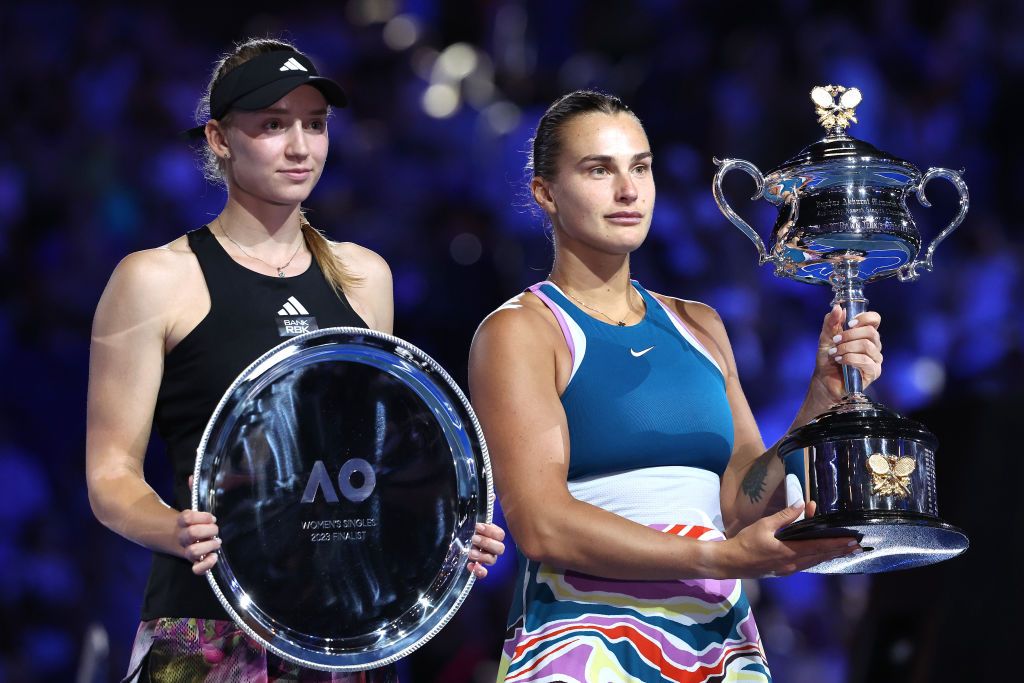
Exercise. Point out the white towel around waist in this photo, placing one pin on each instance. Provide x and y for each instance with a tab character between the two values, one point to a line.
656	495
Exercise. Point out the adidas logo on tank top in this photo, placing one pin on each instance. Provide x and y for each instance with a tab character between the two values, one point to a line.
294	319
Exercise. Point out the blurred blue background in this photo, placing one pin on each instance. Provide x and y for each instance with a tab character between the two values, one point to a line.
426	168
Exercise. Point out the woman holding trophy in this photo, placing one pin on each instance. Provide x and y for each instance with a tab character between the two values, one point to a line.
177	324
627	460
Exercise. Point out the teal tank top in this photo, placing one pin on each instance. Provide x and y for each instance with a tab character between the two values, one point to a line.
644	395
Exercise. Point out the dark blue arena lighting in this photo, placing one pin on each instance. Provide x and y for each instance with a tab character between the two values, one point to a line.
90	170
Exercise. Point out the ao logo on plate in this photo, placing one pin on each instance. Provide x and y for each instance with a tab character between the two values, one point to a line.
320	480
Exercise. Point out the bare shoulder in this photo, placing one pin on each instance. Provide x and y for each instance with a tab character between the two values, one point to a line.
372	297
519	346
692	312
524	316
148	288
152	274
705	323
361	262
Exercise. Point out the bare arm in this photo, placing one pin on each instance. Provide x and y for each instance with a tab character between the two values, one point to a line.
125	367
752	483
513	371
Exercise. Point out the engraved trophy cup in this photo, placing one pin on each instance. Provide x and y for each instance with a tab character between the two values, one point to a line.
843	222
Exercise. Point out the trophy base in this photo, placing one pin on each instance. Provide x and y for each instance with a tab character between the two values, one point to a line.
891	540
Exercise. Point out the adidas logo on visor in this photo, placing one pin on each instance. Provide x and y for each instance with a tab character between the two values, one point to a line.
292	65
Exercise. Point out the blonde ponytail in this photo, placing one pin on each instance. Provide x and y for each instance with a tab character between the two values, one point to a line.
333	269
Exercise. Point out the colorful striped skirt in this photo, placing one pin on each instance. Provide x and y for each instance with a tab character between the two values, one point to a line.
574	628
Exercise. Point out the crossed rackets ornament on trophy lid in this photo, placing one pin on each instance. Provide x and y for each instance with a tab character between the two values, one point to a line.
843	222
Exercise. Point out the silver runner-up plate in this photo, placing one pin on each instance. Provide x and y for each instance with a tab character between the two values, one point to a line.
347	473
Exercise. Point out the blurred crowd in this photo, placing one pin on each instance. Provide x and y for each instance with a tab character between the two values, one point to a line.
427	168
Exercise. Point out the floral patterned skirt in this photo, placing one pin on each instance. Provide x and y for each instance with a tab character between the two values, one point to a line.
174	650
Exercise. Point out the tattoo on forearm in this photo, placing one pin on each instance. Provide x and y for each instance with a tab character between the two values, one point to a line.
753	482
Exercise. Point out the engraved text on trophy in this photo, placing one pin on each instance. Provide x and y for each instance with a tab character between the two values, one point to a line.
861	209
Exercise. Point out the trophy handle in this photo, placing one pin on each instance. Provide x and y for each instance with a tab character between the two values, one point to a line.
909	271
726	165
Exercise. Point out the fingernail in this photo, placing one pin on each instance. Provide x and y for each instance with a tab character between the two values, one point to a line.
838	358
851	544
838	338
797	505
832	351
858	551
474	554
476	540
853	322
214	518
479	526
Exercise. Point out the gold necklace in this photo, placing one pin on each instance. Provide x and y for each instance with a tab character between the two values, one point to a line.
581	302
279	269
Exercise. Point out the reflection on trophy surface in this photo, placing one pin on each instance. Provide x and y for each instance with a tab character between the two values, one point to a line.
843	222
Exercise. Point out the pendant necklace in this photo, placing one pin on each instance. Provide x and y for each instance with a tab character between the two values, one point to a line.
279	269
581	302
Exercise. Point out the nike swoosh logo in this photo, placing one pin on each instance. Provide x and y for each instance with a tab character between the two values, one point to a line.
637	354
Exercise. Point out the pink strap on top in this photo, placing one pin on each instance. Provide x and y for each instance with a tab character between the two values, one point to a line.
559	315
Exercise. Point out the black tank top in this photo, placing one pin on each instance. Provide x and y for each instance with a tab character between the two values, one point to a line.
249	314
